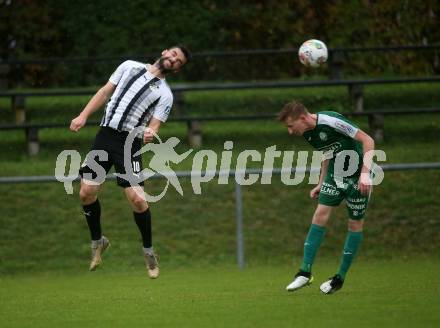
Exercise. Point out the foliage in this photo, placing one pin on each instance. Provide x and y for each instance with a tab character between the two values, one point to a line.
63	28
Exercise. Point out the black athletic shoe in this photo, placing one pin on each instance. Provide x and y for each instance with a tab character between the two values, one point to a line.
332	285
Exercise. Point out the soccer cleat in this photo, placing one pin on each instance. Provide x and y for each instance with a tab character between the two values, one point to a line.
301	280
152	265
332	285
98	249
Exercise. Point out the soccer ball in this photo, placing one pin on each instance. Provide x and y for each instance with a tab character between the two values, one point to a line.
313	53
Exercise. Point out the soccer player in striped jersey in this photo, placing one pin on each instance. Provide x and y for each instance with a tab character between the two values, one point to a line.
136	95
332	133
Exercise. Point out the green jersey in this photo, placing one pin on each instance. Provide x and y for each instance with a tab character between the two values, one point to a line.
334	133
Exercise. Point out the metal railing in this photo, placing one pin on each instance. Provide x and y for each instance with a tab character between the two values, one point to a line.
181	87
204	54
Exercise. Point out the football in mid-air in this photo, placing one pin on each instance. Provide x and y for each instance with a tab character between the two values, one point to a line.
313	53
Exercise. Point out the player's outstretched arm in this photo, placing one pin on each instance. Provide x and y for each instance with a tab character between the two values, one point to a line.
98	100
368	147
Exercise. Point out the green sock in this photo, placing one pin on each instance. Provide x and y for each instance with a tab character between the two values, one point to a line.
311	246
351	246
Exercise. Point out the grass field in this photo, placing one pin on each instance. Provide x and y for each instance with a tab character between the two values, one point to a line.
396	293
201	228
44	241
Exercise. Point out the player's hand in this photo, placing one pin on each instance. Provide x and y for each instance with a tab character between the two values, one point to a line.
314	193
364	184
149	135
77	123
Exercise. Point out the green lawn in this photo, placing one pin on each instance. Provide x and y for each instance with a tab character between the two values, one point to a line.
44	248
396	293
44	240
44	224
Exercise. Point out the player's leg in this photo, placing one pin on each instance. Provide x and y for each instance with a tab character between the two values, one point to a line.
93	173
312	243
141	214
142	217
134	192
356	206
92	211
351	246
315	236
88	195
329	196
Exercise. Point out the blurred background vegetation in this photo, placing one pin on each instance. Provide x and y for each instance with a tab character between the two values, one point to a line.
61	28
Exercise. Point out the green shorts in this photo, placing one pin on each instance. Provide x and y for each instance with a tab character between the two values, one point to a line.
332	194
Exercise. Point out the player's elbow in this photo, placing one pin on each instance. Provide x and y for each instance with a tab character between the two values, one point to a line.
370	141
107	90
104	93
366	140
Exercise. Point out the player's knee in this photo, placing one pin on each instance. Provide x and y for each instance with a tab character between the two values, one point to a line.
87	194
320	220
321	216
355	225
138	203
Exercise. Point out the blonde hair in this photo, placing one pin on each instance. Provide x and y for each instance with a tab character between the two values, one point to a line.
292	109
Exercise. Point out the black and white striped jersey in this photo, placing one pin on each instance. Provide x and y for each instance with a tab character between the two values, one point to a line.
139	96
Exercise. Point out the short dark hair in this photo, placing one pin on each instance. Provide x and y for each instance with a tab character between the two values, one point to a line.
185	51
292	109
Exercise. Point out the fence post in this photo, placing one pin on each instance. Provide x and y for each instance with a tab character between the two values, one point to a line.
336	62
239	218
4	71
32	141
179	104
18	106
376	123
194	127
356	93
194	133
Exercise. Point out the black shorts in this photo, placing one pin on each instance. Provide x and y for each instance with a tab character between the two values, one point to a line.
112	142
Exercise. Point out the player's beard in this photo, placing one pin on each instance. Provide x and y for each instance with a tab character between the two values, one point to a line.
161	66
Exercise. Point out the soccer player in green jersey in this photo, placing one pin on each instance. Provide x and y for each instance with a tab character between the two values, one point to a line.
332	133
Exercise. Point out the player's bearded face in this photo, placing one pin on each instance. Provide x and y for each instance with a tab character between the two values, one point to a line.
171	60
165	65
